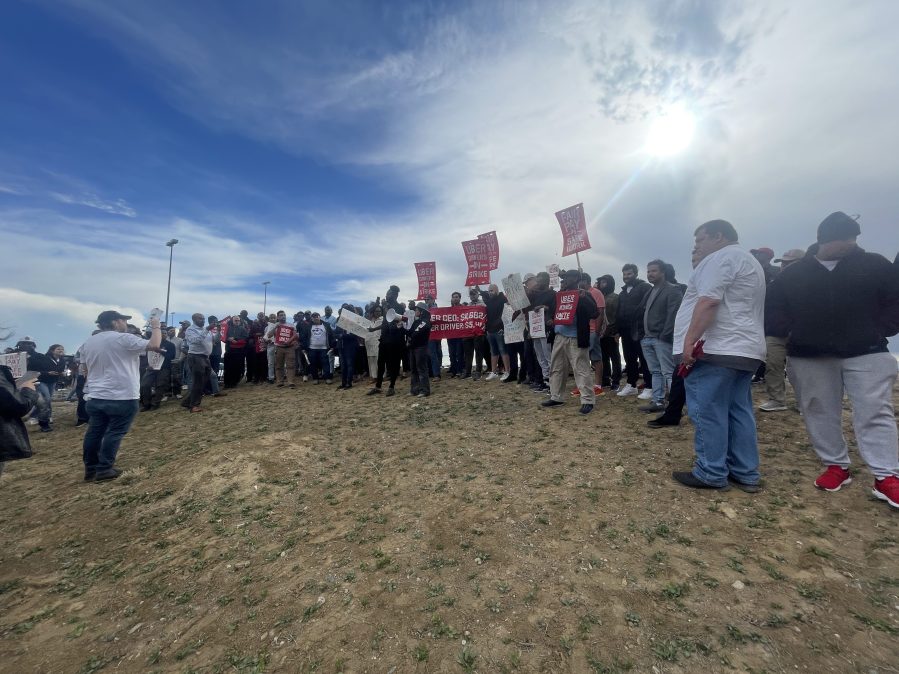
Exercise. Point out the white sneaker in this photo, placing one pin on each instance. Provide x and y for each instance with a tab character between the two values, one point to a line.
184	387
645	395
628	390
504	377
305	377
32	422
491	376
177	396
772	406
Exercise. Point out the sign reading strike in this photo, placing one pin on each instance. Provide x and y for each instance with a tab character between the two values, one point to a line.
16	362
454	322
574	230
492	249
477	255
427	279
566	306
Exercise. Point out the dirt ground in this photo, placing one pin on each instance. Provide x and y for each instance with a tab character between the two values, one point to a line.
323	530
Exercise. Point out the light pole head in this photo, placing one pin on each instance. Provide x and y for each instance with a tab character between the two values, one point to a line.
265	283
171	243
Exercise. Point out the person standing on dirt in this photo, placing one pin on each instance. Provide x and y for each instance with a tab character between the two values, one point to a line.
112	360
199	347
419	337
285	338
631	300
830	356
724	305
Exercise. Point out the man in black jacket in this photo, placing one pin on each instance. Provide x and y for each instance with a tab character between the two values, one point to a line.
657	329
631	300
571	345
838	307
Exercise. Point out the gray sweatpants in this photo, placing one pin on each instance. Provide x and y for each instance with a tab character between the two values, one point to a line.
868	381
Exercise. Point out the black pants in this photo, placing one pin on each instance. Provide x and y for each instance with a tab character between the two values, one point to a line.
634	363
611	361
475	347
81	411
249	358
532	373
154	386
200	371
234	367
421	366
516	361
677	398
389	358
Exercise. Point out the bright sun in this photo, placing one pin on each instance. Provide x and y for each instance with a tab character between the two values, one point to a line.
670	132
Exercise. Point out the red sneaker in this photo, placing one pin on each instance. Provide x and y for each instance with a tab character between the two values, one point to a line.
576	392
833	478
887	490
597	390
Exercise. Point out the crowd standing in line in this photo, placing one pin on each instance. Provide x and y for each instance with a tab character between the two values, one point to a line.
821	320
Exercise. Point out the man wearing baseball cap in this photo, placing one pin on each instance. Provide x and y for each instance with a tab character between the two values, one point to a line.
765	256
112	360
838	306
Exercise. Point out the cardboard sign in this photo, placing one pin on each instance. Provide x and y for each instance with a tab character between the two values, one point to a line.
155	360
566	306
514	290
427	279
477	255
17	362
354	324
456	322
513	330
574	230
536	323
492	248
284	334
555	282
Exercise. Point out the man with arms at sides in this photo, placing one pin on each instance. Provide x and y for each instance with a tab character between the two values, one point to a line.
199	348
112	360
724	305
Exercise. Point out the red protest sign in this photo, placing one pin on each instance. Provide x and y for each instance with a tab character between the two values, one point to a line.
574	230
566	306
223	329
492	248
477	255
427	279
284	334
453	322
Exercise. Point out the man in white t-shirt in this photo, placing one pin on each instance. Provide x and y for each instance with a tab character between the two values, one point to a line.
724	305
112	360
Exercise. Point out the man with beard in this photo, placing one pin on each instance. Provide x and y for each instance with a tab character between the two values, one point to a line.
474	348
321	344
611	356
285	339
630	315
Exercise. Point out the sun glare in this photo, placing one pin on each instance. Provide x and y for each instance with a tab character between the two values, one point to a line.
670	132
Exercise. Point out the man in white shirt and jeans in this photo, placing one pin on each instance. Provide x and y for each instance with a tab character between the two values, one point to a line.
724	305
112	360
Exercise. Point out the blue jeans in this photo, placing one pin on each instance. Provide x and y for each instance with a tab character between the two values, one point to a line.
42	409
435	353
456	355
497	343
319	366
109	421
660	361
720	404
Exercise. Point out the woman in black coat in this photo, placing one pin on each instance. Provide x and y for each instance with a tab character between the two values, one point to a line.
14	404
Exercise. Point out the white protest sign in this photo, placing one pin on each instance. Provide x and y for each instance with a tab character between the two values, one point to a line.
536	324
354	324
155	360
513	331
17	362
514	290
408	318
554	281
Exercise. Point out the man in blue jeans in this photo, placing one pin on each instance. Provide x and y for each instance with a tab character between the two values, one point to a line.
724	305
657	329
112	360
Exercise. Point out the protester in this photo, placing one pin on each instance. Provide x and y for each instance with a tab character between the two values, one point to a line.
372	344
724	306
52	367
608	343
258	368
494	301
630	315
348	344
331	320
659	313
418	338
177	362
156	380
235	351
268	338
113	383
15	403
830	356
37	362
215	358
474	349
435	347
542	296
320	346
199	346
455	345
285	338
597	328
570	347
391	345
764	257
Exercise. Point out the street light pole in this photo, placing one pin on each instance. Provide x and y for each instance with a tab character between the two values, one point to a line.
171	244
172	319
265	295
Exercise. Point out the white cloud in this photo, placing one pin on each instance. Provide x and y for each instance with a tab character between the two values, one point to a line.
114	207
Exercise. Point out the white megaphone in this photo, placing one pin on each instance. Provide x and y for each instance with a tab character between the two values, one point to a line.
392	315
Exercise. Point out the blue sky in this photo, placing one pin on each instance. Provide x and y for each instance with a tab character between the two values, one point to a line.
326	146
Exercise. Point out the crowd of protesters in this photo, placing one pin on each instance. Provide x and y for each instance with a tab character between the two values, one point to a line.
820	320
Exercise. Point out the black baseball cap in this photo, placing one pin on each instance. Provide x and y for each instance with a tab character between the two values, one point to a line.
838	227
107	317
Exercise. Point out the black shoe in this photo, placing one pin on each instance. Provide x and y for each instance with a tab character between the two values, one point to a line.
80	422
661	422
465	376
586	409
745	486
154	407
90	475
281	385
104	475
46	428
145	408
373	391
551	403
391	391
688	479
219	395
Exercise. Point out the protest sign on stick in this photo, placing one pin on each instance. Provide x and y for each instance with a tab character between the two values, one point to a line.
17	362
456	322
555	282
513	329
353	323
566	306
574	229
492	249
427	280
514	290
477	255
536	324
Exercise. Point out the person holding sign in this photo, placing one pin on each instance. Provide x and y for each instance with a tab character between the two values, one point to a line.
285	338
15	403
494	300
575	309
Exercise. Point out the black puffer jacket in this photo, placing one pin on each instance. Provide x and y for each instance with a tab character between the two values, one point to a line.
630	309
14	405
